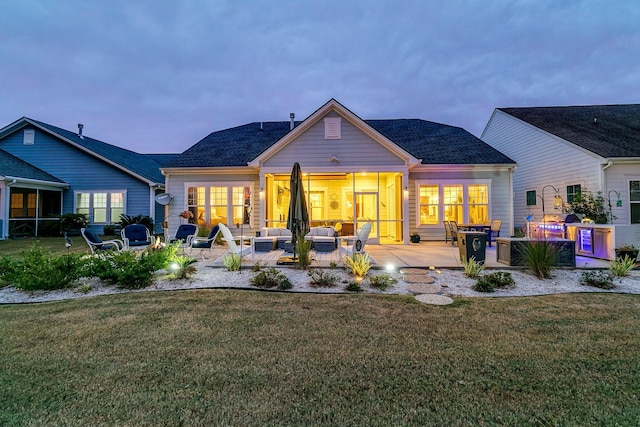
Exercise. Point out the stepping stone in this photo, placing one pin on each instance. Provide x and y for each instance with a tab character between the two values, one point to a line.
418	278
434	299
423	288
413	271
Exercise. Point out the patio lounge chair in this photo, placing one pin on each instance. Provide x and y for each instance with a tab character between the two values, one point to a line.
185	233
96	244
495	227
359	242
234	248
453	230
136	236
447	231
205	242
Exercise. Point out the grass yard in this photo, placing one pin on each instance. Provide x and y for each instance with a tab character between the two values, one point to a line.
257	358
13	248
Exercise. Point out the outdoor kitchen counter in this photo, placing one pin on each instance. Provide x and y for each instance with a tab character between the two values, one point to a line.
593	240
508	250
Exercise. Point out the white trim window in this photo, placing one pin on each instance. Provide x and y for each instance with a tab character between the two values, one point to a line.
429	204
634	201
227	203
102	207
463	201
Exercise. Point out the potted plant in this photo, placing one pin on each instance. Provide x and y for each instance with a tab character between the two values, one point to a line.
627	250
415	237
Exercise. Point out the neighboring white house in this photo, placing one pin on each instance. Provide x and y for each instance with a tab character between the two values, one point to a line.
401	175
572	149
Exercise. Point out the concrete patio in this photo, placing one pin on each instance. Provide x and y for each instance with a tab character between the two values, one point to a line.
424	254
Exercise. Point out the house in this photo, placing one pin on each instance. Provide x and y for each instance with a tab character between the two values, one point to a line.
46	171
401	175
562	151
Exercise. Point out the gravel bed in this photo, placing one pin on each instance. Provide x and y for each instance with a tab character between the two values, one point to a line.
452	281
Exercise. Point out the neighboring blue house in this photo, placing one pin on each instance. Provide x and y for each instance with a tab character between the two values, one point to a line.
46	171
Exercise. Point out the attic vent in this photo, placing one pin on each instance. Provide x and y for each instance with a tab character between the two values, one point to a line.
29	136
332	128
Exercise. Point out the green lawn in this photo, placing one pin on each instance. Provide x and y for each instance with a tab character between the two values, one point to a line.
254	358
13	248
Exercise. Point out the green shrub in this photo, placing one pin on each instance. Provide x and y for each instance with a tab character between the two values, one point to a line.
303	248
382	281
37	270
483	285
322	279
591	206
358	263
540	256
472	268
129	269
489	282
73	221
232	262
84	289
270	278
598	279
621	266
353	287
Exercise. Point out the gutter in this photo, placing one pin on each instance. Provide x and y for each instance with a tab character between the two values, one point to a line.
14	180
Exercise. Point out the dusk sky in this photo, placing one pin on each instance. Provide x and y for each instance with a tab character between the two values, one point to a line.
157	76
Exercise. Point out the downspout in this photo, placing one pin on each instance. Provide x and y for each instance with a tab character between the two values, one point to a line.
603	183
511	201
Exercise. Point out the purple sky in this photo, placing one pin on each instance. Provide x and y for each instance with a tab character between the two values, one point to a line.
157	76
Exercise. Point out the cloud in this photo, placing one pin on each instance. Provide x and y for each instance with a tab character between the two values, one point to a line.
158	76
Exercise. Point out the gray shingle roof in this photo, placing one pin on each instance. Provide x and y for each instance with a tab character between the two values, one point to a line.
11	165
140	164
434	143
614	133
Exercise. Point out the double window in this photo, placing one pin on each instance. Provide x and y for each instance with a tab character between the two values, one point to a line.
214	204
102	207
463	202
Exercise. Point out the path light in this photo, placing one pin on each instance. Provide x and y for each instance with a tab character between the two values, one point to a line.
390	267
174	266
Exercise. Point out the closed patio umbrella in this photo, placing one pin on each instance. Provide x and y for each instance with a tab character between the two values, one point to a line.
298	219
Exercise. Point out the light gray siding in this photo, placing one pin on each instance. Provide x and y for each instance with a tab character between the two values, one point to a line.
499	207
354	148
543	159
617	178
177	186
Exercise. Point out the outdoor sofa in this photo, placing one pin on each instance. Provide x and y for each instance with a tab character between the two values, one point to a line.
271	238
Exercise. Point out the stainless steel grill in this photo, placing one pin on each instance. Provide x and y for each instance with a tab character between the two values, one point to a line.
554	226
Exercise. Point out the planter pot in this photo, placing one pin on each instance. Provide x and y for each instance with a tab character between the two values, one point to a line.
415	239
631	253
